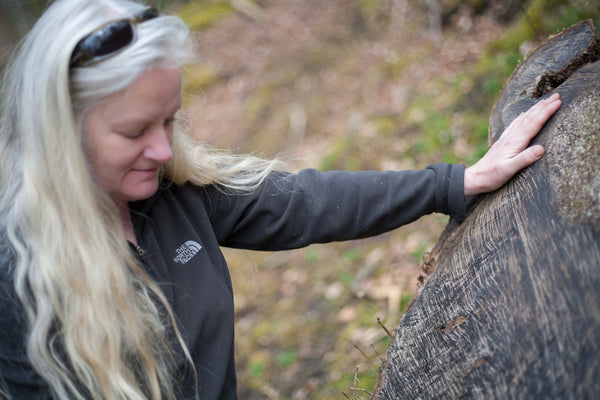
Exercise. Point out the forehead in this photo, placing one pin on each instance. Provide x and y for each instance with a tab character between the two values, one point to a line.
155	93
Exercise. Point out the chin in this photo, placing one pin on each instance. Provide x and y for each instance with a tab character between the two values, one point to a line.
143	192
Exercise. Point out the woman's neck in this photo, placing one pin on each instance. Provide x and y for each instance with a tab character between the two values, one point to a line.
127	222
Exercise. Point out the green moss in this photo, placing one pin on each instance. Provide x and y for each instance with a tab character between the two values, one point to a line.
405	301
330	160
370	8
259	102
418	254
287	358
258	363
311	256
434	126
563	14
352	255
198	77
540	19
257	368
200	15
346	278
385	125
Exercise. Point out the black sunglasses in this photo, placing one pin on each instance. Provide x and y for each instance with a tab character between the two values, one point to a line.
108	39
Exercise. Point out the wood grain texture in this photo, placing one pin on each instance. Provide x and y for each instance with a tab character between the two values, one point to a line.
510	308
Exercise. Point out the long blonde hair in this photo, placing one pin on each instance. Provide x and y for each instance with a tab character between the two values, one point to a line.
96	320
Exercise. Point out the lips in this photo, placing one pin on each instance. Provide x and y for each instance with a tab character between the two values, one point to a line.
146	172
152	170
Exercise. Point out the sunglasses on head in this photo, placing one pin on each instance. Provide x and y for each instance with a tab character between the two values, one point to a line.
108	39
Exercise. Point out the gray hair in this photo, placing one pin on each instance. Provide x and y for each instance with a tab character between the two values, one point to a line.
49	200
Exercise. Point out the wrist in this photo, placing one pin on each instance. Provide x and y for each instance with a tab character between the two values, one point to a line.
472	182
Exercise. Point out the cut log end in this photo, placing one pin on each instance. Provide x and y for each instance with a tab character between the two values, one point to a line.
551	80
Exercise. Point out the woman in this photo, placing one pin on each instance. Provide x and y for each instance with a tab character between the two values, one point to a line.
112	282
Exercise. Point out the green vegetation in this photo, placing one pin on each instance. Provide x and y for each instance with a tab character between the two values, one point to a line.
202	14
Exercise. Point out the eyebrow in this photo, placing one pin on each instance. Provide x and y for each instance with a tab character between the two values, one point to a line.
145	120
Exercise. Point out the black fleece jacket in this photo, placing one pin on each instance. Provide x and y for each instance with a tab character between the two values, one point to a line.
180	231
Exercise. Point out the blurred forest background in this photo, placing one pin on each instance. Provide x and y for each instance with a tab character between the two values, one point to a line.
341	84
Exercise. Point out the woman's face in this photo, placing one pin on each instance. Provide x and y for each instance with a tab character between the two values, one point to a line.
128	137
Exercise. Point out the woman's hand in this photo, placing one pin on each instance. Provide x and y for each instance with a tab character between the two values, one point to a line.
509	154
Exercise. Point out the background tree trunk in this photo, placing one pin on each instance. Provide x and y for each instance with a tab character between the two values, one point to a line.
509	305
16	18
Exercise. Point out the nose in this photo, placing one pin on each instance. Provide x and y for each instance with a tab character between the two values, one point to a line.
158	147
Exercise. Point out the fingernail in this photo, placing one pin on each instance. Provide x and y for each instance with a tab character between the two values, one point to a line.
538	151
554	96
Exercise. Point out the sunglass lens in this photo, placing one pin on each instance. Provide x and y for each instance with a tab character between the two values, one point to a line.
147	14
109	39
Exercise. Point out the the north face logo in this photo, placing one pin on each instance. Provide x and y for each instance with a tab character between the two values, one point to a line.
186	251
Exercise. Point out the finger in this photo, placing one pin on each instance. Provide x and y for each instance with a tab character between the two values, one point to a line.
524	127
535	118
513	124
527	157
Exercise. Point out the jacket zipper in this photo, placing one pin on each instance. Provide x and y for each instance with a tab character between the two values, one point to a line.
141	252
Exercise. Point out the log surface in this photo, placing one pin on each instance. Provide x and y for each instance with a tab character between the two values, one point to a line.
510	307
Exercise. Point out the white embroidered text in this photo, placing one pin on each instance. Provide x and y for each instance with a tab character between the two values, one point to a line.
186	251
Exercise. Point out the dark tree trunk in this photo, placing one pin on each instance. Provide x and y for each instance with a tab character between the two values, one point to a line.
16	18
509	306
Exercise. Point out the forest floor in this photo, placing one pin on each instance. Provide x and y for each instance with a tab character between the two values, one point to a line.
334	85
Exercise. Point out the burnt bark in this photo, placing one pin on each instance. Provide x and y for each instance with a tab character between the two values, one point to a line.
509	306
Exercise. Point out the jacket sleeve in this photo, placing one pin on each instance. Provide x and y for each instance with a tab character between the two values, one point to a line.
295	210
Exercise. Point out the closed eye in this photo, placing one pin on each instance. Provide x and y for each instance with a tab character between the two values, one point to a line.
132	134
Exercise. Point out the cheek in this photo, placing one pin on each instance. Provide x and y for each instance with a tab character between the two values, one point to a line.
91	147
91	155
97	158
111	163
108	161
